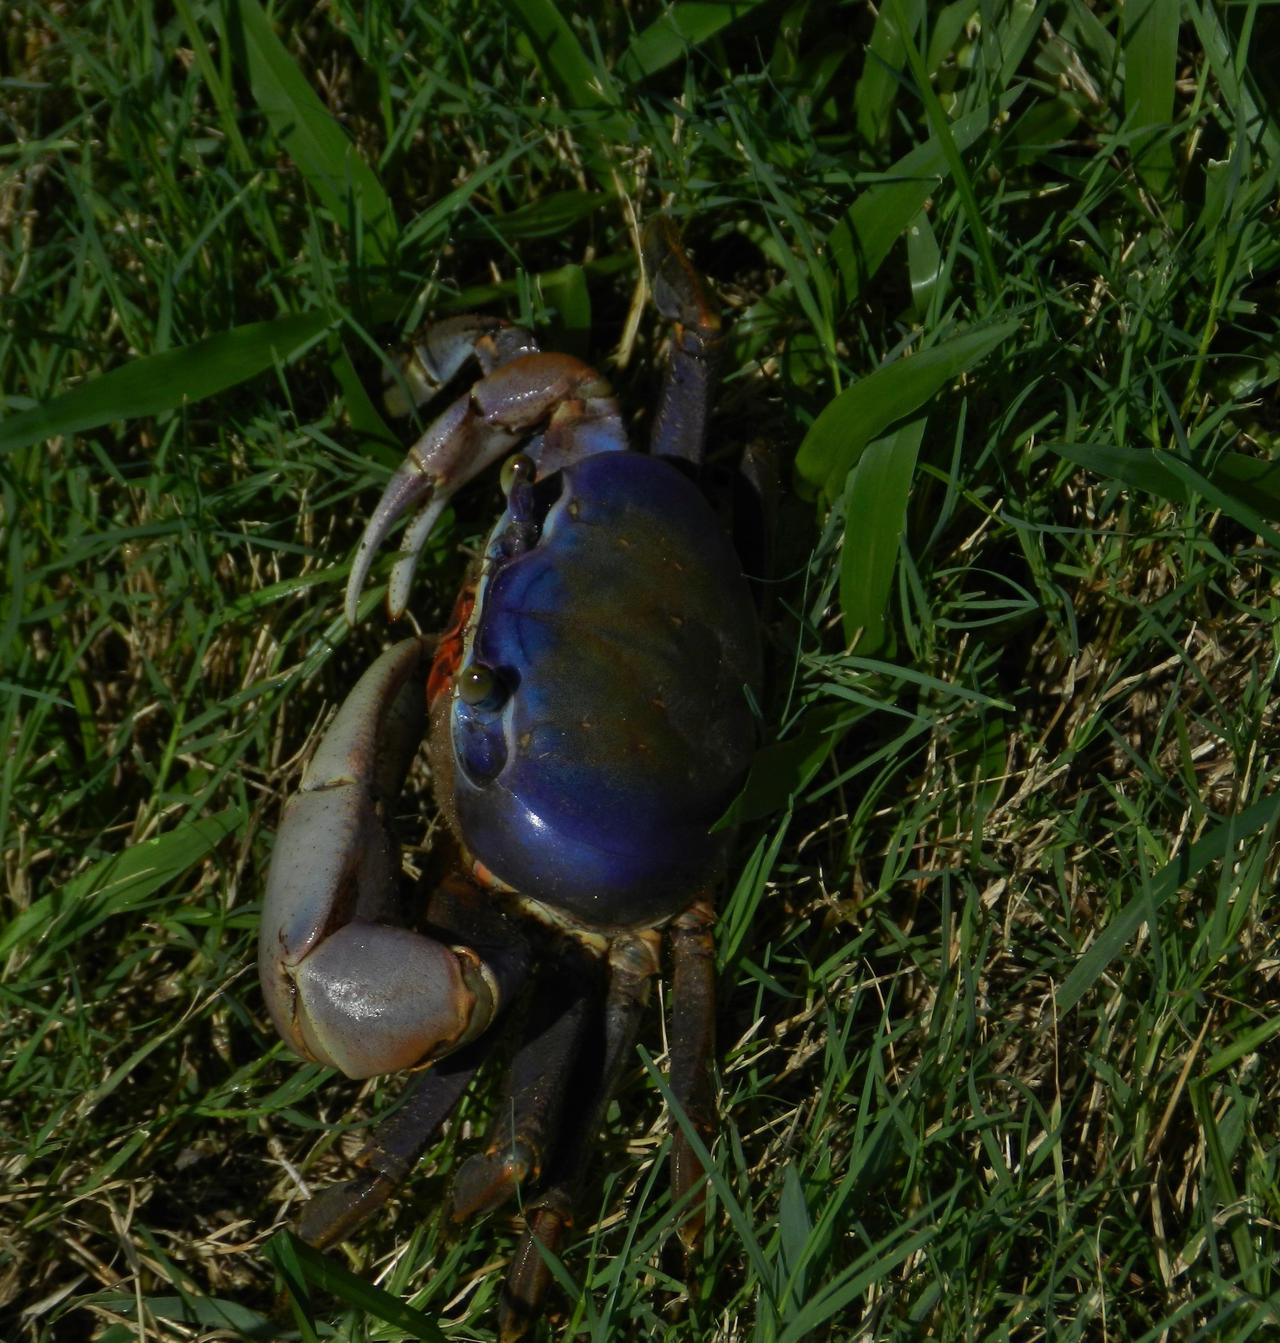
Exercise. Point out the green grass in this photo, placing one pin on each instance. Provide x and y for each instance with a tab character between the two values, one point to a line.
999	986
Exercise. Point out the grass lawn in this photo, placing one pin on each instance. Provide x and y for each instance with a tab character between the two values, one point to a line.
999	989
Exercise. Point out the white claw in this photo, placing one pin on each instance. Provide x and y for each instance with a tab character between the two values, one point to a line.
411	544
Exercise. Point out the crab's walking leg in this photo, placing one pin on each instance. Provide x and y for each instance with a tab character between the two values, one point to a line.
633	964
693	1028
392	1151
527	1122
680	424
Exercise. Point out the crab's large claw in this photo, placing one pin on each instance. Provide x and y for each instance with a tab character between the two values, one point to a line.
343	984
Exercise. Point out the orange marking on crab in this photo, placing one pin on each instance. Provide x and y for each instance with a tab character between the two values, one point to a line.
448	656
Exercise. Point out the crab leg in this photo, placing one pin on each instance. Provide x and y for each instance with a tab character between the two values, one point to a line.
633	964
344	985
336	1212
527	1120
693	1025
680	424
572	401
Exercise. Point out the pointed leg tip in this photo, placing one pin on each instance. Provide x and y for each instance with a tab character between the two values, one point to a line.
513	1324
487	1181
335	1213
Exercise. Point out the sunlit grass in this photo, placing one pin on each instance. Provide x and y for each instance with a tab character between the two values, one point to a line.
998	1004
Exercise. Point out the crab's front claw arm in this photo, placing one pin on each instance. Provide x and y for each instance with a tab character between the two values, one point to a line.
439	351
343	984
568	401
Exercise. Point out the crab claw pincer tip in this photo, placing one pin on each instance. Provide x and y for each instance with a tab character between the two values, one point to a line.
411	486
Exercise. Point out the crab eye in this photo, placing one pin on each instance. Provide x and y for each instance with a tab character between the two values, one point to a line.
518	468
479	685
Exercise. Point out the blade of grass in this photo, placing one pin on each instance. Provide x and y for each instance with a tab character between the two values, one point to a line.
300	1265
875	93
1251	823
1245	488
1150	58
675	33
955	164
785	768
840	434
211	1312
119	883
859	244
164	382
321	149
579	81
875	504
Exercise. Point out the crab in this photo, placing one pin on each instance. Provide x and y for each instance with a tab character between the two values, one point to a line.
590	713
